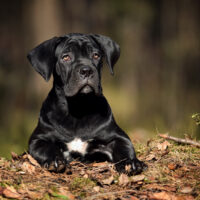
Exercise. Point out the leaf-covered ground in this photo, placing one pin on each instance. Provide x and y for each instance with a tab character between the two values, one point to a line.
173	174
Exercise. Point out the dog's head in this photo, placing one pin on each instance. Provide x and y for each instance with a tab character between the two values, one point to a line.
75	60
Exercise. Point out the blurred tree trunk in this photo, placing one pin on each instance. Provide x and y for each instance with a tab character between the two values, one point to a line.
44	21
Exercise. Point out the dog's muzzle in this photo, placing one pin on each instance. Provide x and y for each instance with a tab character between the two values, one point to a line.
86	73
85	79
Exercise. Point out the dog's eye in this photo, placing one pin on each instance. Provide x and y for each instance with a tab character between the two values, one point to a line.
96	56
66	58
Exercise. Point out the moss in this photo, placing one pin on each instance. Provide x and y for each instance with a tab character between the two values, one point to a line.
80	183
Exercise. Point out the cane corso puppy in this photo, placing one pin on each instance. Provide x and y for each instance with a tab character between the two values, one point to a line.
76	121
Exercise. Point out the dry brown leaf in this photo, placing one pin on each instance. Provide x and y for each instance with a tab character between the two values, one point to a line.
163	146
108	181
85	176
161	196
11	194
128	168
65	192
100	164
137	178
35	195
25	156
152	178
186	190
6	164
160	187
82	172
96	188
22	191
133	198
1	190
172	166
123	179
33	161
181	197
27	167
168	196
14	156
184	168
151	156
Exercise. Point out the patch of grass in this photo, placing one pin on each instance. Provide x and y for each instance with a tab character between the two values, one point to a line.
140	148
59	196
81	183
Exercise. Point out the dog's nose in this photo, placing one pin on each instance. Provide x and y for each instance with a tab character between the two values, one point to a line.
86	71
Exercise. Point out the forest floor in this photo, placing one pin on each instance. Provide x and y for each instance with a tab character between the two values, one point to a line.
173	174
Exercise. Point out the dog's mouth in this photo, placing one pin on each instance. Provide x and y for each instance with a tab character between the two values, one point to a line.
86	89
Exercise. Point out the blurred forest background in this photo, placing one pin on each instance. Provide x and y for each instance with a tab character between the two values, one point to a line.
156	87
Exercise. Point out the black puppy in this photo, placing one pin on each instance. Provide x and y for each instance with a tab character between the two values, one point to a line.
76	122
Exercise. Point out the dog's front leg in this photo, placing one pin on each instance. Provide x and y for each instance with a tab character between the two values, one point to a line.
48	153
124	156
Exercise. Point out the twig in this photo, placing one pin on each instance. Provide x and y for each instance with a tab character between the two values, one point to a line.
180	140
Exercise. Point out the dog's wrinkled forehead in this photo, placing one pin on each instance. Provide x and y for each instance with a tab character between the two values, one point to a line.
77	43
44	56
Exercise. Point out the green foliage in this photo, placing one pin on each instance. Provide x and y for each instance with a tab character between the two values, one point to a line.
196	118
79	183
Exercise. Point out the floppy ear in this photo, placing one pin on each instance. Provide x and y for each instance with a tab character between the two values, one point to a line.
110	48
42	57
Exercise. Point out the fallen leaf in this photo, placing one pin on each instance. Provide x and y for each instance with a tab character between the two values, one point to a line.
33	161
25	156
128	168
123	180
181	197
108	181
137	178
14	156
133	198
96	188
184	168
151	156
27	167
34	195
85	176
172	166
22	190
1	190
82	172
65	192
10	194
161	196
160	187
163	146
100	164
152	178
186	190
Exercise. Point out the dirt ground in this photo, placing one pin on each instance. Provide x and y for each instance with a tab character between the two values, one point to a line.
173	174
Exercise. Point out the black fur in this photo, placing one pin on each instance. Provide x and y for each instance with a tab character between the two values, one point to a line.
76	121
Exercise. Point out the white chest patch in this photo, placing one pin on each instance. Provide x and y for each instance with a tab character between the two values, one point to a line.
77	145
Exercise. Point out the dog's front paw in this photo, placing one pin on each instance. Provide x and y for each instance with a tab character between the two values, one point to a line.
58	164
131	167
138	166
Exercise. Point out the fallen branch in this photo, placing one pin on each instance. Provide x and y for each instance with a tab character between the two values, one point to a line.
180	140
